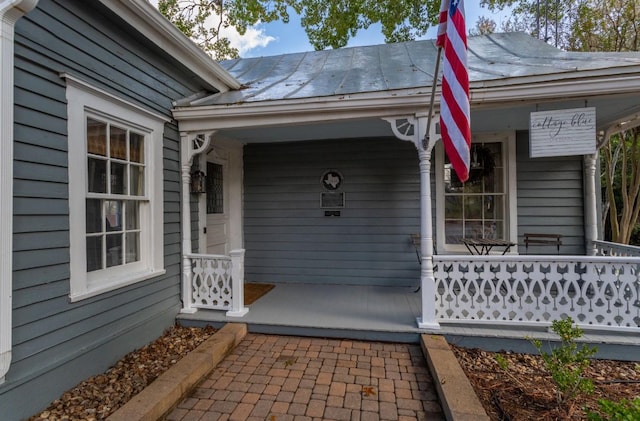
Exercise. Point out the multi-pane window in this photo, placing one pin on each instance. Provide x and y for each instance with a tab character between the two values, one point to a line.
215	192
116	213
115	184
476	208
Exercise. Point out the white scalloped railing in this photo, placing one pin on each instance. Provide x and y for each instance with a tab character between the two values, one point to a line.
606	248
596	291
217	282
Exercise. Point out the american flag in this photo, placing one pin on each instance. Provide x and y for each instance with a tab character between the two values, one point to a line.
454	103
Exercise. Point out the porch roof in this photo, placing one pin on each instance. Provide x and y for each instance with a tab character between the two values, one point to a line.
494	60
350	92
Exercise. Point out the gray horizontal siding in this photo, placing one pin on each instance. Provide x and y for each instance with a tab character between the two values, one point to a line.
287	236
56	343
550	199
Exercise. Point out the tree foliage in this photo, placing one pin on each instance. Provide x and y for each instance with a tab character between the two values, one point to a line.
483	26
621	179
594	25
327	23
575	25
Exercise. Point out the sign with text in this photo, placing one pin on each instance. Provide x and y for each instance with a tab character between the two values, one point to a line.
562	132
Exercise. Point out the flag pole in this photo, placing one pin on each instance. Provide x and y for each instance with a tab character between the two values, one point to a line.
426	140
427	279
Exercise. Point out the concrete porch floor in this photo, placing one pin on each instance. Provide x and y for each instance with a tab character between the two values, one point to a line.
345	311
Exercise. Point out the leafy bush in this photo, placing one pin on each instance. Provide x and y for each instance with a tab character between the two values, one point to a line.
625	410
567	362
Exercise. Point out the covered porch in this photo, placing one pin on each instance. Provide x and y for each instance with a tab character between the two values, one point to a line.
347	267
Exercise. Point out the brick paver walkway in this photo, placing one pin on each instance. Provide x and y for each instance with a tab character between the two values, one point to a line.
281	378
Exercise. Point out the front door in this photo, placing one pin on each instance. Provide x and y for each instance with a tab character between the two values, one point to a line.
217	204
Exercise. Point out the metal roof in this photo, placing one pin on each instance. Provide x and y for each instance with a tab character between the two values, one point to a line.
401	66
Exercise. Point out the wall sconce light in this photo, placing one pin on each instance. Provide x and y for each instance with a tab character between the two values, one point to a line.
198	182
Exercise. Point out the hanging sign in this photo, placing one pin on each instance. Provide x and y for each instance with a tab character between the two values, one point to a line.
562	132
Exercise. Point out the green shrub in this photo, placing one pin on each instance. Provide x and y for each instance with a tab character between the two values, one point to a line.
567	362
625	410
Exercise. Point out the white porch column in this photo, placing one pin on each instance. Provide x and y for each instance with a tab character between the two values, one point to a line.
237	278
591	204
10	12
190	146
427	279
413	129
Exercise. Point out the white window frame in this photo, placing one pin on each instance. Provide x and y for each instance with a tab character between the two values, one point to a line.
84	100
508	140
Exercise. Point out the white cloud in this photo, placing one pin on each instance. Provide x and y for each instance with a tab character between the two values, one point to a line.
254	37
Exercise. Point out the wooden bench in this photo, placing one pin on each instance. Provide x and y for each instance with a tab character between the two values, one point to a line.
540	238
415	240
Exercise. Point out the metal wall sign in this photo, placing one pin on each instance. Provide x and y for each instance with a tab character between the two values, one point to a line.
332	199
331	181
562	132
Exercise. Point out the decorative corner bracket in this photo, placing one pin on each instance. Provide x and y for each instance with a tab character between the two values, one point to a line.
194	144
413	128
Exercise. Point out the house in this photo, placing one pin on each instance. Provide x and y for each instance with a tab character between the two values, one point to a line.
316	177
90	269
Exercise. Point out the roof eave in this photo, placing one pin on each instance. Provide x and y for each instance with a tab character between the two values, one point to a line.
147	20
557	85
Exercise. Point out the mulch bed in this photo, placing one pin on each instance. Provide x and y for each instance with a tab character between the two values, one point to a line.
527	392
99	396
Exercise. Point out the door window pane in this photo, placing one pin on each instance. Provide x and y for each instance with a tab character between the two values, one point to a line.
215	192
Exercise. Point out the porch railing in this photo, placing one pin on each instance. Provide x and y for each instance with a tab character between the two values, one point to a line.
606	248
217	282
595	291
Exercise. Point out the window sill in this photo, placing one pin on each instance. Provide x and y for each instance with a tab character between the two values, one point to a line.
122	282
